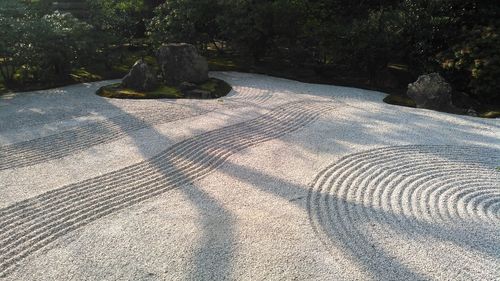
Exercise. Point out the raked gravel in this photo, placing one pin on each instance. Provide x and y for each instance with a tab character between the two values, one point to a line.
280	180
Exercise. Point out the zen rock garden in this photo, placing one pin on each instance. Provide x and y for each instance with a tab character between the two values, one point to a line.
284	140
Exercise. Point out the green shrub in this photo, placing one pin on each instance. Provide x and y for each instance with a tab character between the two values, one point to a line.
188	21
217	88
475	63
353	38
13	21
60	42
45	48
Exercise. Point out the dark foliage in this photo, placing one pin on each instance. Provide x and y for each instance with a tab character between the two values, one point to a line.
355	38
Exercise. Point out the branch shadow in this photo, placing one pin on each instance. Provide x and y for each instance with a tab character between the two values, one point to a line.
360	248
215	250
52	206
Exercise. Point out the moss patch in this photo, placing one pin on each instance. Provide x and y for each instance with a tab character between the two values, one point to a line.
400	100
405	101
224	64
83	75
116	91
216	87
490	114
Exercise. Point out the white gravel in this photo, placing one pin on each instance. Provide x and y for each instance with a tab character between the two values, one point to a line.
280	180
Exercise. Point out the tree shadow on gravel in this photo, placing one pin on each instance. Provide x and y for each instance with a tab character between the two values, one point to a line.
34	223
213	253
85	202
358	246
30	225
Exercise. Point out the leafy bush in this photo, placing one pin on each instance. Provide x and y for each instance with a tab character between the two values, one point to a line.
475	63
352	37
459	39
254	29
117	21
40	48
12	23
60	42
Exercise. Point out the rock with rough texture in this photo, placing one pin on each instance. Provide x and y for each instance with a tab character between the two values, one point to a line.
431	91
186	86
198	94
141	77
181	63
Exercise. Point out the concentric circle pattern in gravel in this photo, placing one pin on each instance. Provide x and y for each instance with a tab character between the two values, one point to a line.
421	193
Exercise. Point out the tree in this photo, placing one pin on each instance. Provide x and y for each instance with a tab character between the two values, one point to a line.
62	42
457	38
40	48
13	16
195	22
258	27
117	18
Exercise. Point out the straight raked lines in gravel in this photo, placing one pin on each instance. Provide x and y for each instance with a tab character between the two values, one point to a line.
71	141
31	224
442	192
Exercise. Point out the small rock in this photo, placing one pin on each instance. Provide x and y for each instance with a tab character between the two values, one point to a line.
140	78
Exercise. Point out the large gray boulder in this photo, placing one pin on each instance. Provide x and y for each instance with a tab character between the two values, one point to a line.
181	63
431	91
141	77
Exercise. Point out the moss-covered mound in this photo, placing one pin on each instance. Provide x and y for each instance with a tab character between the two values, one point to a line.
400	100
490	114
215	88
406	101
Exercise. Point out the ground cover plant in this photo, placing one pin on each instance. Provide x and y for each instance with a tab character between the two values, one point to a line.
216	87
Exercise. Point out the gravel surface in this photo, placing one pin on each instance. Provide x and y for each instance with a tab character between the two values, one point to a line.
280	180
